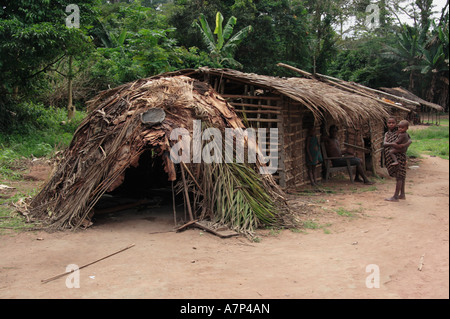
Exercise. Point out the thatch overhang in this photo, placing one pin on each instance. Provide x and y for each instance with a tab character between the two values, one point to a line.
386	99
404	93
320	98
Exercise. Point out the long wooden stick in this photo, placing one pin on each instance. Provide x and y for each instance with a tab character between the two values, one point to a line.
84	266
358	147
174	206
188	201
290	67
182	227
192	176
395	97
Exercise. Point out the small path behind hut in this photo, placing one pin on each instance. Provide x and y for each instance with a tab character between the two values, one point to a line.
352	232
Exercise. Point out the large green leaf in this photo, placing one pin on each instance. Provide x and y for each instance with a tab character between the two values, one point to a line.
219	31
207	35
122	38
234	42
229	27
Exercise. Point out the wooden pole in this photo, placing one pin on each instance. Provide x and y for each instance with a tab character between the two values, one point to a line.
84	266
304	73
174	207
192	176
188	202
358	147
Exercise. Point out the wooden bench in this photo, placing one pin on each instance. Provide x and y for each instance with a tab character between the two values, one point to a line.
328	165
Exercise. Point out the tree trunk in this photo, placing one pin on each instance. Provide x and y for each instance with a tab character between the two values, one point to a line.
431	90
411	82
314	65
443	95
70	106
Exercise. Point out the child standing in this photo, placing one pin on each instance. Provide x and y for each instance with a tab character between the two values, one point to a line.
402	138
313	154
398	171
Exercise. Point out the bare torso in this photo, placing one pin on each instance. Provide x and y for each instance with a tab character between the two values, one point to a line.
333	147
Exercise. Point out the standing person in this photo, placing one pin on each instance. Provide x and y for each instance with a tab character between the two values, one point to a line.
313	154
402	138
334	150
398	171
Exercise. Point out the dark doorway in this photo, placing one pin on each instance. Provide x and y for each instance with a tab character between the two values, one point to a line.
145	190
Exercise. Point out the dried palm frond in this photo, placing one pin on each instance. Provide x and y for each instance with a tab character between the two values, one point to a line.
236	194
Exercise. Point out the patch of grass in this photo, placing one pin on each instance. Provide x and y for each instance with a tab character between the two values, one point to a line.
297	230
274	232
433	141
344	212
445	122
256	239
341	211
310	224
364	189
442	121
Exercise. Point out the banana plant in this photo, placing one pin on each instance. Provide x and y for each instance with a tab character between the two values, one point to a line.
222	46
435	61
408	49
435	52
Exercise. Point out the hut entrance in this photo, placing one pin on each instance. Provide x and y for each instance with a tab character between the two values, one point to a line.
147	180
145	190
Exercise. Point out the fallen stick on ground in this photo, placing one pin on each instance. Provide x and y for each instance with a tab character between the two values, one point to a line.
182	227
44	281
198	224
226	234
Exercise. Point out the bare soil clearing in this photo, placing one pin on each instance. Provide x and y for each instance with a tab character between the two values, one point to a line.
327	262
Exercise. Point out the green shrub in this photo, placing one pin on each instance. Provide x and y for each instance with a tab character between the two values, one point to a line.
34	130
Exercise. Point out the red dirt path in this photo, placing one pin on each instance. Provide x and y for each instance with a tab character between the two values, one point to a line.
328	262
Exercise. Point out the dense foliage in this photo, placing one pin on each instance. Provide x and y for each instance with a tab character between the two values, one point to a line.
44	61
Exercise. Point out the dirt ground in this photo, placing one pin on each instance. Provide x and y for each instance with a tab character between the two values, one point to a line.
357	236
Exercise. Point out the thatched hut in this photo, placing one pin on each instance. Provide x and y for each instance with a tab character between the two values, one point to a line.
293	104
130	128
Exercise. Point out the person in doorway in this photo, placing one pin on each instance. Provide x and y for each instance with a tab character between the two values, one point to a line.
398	171
334	150
313	155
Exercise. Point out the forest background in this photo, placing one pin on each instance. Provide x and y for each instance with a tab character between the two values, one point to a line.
57	54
